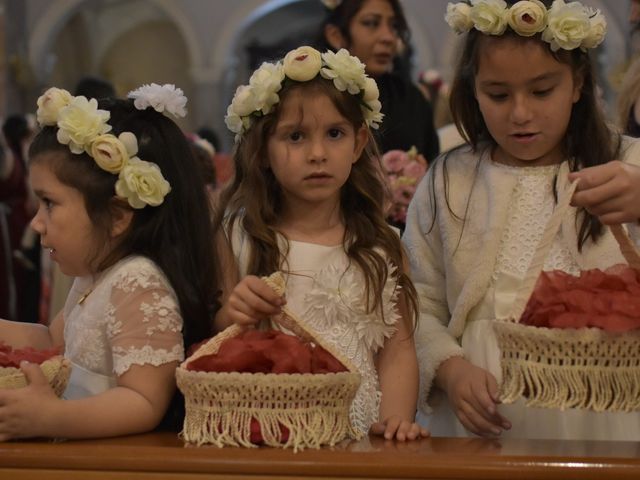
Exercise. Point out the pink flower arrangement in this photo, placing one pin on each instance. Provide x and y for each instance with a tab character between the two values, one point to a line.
404	170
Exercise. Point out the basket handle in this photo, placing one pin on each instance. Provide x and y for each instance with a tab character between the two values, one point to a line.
299	327
627	248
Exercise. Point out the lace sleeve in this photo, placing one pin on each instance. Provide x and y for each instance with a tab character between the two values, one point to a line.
144	325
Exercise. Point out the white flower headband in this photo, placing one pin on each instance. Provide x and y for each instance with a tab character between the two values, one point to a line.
564	25
301	65
84	128
331	4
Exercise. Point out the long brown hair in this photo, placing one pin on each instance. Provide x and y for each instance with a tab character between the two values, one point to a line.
588	140
254	199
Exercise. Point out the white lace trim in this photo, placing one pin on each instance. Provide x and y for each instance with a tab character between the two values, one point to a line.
123	358
532	205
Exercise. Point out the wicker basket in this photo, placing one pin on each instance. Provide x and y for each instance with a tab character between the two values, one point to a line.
568	368
57	370
314	408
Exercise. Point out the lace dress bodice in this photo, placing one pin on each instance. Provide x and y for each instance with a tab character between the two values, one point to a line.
329	295
127	315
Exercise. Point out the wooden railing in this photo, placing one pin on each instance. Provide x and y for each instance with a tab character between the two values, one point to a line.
164	456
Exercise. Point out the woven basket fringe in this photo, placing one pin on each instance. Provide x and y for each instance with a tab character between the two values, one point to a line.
586	368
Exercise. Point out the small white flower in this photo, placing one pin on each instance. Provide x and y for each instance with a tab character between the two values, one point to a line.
302	64
80	122
489	16
568	25
346	71
331	4
597	30
371	91
161	98
265	83
372	114
142	183
49	105
458	17
527	17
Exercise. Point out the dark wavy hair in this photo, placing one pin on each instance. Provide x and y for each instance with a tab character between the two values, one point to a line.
588	140
176	235
255	199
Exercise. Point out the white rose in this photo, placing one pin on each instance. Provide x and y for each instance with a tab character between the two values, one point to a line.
265	84
527	17
489	16
568	25
458	17
244	101
346	71
50	103
111	153
371	91
80	122
597	30
142	183
302	64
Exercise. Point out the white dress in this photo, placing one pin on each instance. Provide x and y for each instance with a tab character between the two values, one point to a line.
532	206
129	316
327	293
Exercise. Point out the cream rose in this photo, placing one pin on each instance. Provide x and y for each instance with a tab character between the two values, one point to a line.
597	30
302	64
568	25
489	16
371	91
50	103
458	17
265	84
346	71
527	17
111	153
80	122
142	183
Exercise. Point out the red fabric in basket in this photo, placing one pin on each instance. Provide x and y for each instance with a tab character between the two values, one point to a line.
11	357
272	351
609	300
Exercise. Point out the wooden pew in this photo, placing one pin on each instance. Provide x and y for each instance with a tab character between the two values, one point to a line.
164	456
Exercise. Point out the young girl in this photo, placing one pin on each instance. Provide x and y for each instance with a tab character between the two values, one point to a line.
307	199
524	93
123	209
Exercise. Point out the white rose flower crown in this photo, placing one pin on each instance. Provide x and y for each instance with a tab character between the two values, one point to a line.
564	26
84	128
301	65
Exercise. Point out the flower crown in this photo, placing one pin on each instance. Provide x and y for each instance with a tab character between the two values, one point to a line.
564	25
84	128
331	4
301	65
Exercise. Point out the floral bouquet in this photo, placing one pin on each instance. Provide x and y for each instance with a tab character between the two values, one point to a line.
404	170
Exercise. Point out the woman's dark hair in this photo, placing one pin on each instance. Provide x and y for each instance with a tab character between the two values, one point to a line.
588	140
176	235
343	15
16	129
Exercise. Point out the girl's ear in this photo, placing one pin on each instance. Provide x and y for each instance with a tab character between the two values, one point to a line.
334	37
122	216
362	138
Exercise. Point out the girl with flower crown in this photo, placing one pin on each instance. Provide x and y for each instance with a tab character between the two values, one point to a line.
307	199
524	93
123	209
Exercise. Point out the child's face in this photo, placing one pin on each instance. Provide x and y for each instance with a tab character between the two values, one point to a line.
374	38
312	150
62	221
526	97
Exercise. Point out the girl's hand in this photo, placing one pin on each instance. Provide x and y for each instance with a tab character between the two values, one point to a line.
26	412
610	191
402	430
251	301
473	393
